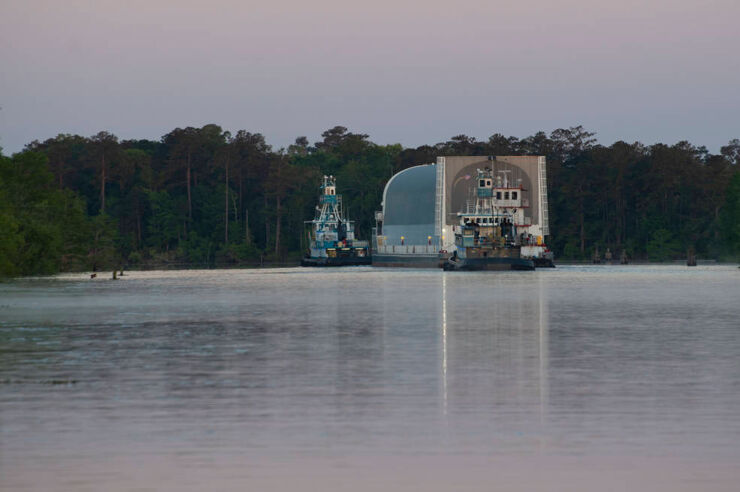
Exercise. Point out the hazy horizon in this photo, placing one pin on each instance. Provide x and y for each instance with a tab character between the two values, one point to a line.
662	72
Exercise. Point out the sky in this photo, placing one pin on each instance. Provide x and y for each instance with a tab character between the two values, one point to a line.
409	72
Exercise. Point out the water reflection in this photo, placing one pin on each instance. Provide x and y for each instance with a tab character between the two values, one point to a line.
543	340
501	335
229	368
444	343
494	359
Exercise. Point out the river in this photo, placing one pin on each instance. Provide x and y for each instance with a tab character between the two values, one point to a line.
578	378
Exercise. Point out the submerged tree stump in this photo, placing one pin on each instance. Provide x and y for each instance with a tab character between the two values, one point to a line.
623	258
690	258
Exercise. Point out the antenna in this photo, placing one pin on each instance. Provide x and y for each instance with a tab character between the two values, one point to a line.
506	177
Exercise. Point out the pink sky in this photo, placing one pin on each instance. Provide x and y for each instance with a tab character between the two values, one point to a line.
408	72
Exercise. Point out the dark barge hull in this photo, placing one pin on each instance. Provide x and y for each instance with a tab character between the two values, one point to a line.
336	262
543	263
407	261
437	261
489	264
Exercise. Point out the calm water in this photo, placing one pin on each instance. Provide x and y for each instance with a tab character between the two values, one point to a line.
579	378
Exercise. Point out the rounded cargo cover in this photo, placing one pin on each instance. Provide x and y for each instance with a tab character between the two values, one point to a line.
408	205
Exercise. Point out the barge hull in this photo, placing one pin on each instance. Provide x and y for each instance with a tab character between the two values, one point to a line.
543	262
335	262
489	264
406	261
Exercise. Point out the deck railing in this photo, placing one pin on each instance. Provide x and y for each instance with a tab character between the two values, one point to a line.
406	249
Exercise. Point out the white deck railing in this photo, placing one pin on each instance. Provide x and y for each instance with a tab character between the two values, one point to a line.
406	249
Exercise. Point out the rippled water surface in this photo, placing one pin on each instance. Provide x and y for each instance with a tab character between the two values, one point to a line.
578	378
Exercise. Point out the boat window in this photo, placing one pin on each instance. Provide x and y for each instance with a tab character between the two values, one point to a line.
513	195
506	195
482	183
498	195
488	182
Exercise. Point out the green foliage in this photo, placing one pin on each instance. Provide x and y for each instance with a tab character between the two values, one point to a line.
11	241
571	250
730	217
663	246
102	251
164	221
198	250
204	196
42	227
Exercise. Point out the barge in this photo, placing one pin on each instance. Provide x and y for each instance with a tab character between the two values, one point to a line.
424	209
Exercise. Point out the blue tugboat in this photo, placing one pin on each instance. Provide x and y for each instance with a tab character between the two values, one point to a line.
331	235
490	233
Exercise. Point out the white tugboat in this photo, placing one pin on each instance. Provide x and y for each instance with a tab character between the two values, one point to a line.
492	232
332	235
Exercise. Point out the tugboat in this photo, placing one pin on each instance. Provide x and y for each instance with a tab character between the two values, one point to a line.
492	228
331	235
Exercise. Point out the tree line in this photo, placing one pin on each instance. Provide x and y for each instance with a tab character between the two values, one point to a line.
207	197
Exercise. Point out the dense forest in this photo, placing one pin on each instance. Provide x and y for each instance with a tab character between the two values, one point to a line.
207	197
